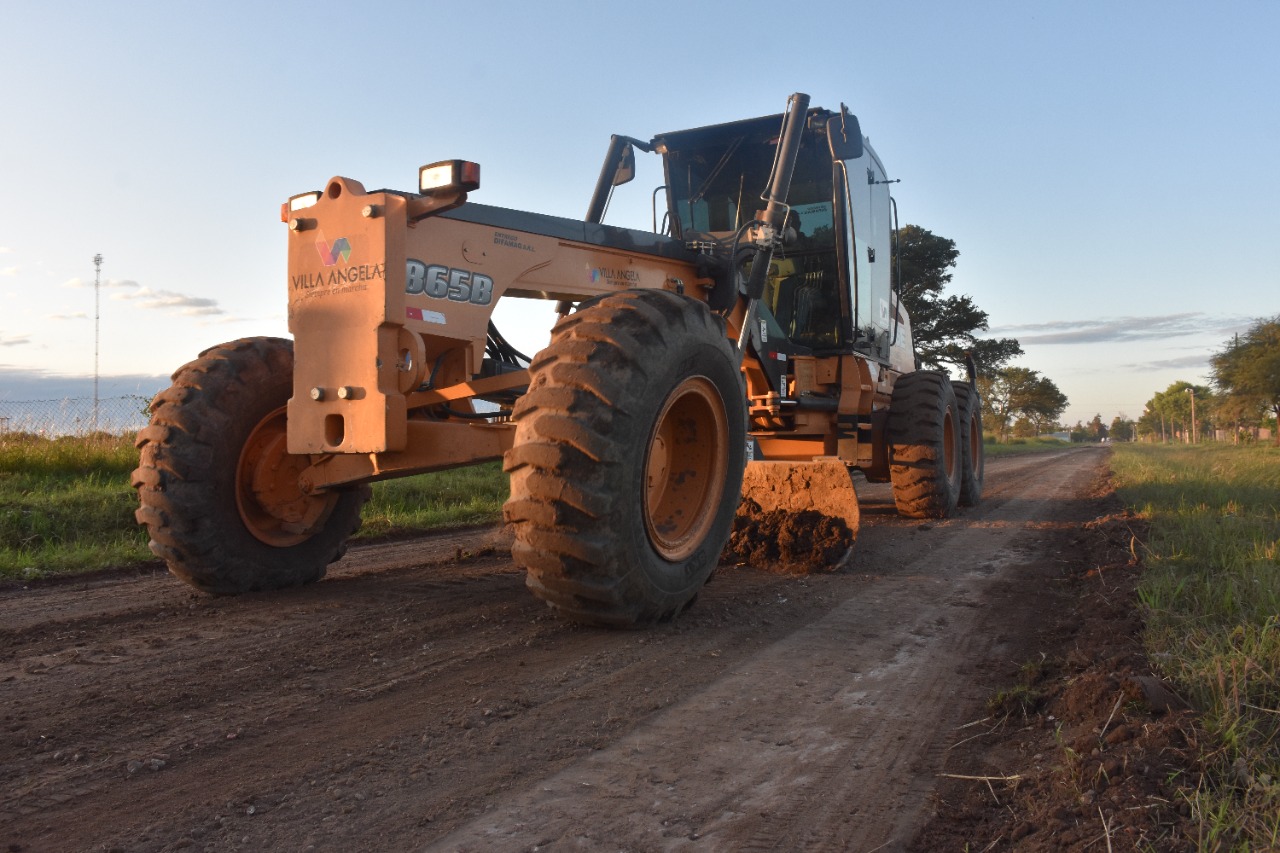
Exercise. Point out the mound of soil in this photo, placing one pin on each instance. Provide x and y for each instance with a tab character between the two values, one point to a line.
787	542
1087	749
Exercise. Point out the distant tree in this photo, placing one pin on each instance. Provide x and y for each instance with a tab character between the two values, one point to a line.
1238	413
1024	427
1123	429
1168	413
1150	425
1097	429
1017	392
943	327
1248	368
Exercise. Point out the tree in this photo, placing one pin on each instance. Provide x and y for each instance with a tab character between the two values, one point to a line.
1123	429
1248	368
1168	413
1024	427
1017	392
943	327
1240	413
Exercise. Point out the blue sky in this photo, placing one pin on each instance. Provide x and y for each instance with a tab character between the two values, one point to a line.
1108	171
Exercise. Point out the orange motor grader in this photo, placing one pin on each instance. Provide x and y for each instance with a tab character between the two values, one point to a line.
756	330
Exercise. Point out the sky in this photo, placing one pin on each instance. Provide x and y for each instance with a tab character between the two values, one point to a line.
1109	171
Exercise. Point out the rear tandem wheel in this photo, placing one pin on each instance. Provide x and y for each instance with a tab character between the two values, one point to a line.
924	445
973	458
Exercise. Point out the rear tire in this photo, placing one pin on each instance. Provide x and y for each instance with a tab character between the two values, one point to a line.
628	457
924	445
973	457
218	489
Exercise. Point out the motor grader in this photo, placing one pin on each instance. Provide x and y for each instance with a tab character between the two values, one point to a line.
752	342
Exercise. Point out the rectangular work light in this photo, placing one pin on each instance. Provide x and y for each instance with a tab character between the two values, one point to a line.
449	176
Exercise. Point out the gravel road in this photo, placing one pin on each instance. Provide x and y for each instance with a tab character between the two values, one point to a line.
420	698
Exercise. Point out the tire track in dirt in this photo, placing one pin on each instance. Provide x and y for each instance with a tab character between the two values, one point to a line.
150	589
819	741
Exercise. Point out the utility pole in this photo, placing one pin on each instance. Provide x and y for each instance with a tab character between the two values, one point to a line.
97	285
1192	392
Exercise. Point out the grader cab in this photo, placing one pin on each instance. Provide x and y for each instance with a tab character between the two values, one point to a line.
751	342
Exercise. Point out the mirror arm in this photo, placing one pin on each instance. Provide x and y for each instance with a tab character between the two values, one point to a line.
606	182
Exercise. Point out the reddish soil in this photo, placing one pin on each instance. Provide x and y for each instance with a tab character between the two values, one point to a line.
794	542
1084	748
420	698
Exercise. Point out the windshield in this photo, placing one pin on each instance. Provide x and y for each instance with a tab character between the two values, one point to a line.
715	178
715	183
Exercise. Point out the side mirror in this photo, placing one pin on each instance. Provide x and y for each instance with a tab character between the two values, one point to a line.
626	170
619	167
844	135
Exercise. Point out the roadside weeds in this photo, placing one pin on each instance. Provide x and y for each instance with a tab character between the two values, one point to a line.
1084	748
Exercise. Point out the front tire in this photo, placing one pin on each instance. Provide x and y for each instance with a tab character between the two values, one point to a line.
218	489
924	449
628	458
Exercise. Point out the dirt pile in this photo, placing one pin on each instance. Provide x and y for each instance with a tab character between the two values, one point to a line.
787	542
1087	749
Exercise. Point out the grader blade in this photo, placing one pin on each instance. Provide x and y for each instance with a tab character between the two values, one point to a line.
795	516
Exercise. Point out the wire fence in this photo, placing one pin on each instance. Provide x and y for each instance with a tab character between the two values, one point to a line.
74	415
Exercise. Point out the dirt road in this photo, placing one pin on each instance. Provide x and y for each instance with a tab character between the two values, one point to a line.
421	699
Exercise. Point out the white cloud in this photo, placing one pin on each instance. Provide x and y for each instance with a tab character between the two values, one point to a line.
15	341
9	271
158	300
79	315
1119	329
1187	361
5	250
116	283
168	300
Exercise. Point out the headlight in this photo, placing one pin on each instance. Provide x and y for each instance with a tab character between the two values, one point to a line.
449	176
301	201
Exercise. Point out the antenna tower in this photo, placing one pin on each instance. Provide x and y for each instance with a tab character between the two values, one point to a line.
97	284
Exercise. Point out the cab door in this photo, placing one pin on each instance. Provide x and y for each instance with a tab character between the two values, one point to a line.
867	235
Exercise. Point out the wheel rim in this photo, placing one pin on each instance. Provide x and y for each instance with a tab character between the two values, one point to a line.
685	469
272	505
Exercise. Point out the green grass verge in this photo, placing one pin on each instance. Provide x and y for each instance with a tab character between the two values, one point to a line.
1016	446
463	496
66	505
1211	596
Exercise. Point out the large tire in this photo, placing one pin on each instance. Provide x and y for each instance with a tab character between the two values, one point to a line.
628	458
218	489
924	445
973	457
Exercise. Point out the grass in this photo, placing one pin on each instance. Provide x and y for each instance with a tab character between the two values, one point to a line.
1016	446
66	505
462	496
1211	597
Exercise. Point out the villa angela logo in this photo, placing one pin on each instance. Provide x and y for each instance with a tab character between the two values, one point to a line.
329	254
613	275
